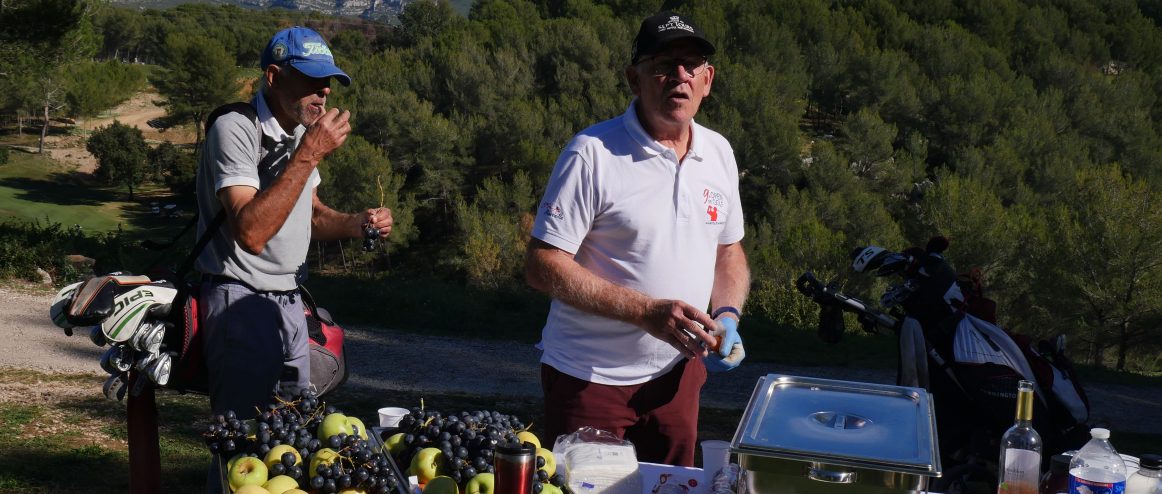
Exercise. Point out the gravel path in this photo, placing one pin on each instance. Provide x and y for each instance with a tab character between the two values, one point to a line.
392	360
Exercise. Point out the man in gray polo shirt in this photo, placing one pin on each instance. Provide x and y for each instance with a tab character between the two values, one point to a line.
263	174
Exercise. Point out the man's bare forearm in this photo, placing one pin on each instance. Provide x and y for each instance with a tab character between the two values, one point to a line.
731	277
554	272
256	220
328	224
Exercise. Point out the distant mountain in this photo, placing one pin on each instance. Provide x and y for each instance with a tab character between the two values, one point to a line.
366	9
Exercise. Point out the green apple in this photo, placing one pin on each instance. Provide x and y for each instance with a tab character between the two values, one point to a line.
528	437
482	483
545	489
350	490
333	424
427	464
441	485
325	456
275	455
230	464
251	489
281	484
248	470
294	491
550	461
394	444
357	426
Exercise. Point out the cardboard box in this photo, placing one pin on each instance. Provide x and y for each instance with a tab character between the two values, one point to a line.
669	479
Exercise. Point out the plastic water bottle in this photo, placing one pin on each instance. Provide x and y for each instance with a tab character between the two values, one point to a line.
1097	468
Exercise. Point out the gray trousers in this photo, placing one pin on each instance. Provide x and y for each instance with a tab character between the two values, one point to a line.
255	346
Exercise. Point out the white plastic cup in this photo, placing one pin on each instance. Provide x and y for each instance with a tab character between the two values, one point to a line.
715	456
390	416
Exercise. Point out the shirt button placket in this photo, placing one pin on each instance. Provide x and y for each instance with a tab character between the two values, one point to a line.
683	196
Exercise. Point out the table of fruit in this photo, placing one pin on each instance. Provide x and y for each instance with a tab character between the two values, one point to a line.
306	446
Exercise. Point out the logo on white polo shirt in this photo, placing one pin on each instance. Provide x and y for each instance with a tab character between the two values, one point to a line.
716	206
553	210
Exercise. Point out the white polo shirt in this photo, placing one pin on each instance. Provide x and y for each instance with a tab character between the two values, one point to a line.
632	214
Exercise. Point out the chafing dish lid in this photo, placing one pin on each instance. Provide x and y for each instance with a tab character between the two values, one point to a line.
841	422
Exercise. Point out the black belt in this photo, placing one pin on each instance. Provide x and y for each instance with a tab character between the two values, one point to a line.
220	279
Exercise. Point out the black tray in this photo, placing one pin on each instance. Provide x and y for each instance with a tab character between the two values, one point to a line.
375	438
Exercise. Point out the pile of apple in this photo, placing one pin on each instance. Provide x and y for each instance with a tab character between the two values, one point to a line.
299	446
453	454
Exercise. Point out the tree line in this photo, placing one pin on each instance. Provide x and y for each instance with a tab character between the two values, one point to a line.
1024	130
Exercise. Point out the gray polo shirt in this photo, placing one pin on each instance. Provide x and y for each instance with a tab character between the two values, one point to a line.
236	154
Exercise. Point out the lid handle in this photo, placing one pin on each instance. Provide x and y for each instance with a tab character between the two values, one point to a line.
832	476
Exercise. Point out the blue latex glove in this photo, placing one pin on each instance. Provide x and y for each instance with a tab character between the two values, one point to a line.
730	352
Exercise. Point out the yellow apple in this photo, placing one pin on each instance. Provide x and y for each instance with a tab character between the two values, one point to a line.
550	461
275	455
294	491
441	485
427	464
280	484
545	489
251	489
528	437
482	483
325	456
248	470
332	425
394	444
357	426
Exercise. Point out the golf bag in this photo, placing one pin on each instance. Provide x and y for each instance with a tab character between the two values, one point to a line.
949	344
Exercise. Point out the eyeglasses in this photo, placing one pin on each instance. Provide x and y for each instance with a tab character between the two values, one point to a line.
691	66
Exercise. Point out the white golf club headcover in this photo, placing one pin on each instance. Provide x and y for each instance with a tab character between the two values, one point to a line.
58	312
131	308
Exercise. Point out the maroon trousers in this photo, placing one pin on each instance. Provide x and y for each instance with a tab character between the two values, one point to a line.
660	417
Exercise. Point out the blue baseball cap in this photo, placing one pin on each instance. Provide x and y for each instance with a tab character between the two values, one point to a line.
306	51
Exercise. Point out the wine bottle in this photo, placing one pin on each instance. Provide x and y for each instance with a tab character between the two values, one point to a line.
1020	465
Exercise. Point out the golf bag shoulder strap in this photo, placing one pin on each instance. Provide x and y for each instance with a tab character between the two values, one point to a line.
251	113
242	107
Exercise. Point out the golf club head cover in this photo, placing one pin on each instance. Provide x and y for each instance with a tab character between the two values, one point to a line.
95	299
730	351
131	308
60	304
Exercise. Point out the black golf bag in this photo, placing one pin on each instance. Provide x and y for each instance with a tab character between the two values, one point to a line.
951	345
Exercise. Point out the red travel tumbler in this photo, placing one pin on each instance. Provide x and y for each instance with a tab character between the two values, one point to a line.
514	465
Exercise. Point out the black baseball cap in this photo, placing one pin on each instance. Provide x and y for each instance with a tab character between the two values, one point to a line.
663	28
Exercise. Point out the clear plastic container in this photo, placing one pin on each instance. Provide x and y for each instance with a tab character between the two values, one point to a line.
1148	477
1097	468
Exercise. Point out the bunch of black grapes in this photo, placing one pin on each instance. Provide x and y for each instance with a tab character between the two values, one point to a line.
294	422
358	465
468	441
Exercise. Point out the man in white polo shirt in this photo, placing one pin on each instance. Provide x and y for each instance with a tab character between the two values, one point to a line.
637	235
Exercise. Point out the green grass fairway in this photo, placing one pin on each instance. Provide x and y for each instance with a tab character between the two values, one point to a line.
36	188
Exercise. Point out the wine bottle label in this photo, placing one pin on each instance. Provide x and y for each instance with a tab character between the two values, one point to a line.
1022	472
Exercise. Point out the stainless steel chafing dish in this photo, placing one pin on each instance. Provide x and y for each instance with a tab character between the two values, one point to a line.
803	435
